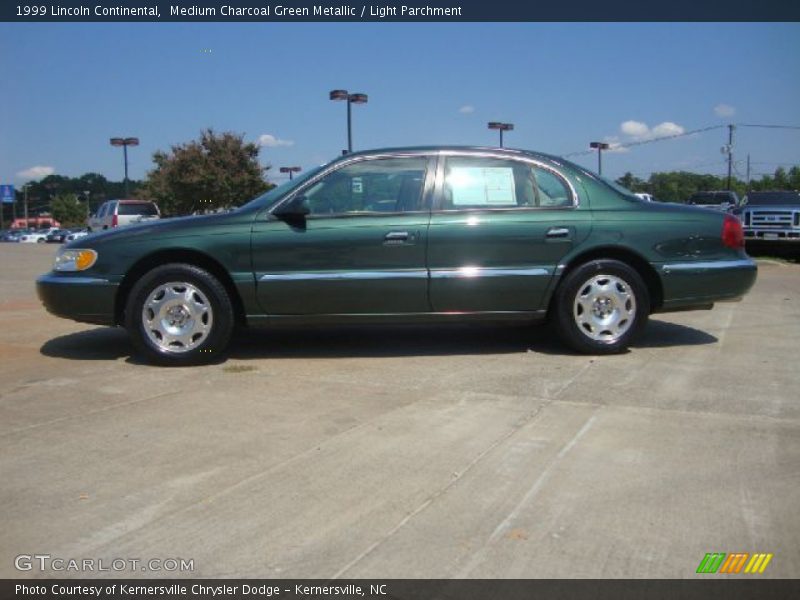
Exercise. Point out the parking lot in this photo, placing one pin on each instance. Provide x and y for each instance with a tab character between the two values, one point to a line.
404	452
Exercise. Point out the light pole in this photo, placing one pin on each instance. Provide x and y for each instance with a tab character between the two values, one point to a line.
125	142
600	147
337	95
290	170
25	202
501	127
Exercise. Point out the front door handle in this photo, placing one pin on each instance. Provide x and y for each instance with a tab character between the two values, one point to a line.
558	233
397	237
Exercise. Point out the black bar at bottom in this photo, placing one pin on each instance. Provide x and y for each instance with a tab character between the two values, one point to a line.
713	588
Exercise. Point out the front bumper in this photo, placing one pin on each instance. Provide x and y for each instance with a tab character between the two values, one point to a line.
85	299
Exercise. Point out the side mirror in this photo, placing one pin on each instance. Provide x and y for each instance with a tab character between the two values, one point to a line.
295	210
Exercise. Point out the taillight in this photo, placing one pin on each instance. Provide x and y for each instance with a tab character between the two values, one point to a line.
732	234
114	221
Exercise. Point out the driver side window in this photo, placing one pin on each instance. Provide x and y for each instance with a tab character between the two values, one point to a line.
380	186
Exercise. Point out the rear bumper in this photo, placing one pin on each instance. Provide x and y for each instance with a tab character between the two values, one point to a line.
701	282
85	299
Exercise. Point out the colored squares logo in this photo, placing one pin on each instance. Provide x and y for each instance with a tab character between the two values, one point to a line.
734	563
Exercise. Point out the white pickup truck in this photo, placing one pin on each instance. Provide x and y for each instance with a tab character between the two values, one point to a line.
771	216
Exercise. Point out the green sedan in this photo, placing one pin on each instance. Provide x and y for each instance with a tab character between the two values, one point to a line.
407	235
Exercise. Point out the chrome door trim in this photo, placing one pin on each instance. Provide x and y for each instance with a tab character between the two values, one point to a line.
469	272
345	275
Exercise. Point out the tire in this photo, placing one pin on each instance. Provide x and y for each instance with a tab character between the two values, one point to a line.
179	315
601	307
40	241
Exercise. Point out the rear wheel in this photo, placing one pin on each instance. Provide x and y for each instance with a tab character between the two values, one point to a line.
179	314
601	307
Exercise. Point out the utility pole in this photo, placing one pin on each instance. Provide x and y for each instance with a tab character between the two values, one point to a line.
748	172
25	204
731	127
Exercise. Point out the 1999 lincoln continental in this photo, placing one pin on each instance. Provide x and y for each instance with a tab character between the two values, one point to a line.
413	235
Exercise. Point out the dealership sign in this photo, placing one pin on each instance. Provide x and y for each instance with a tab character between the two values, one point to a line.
7	194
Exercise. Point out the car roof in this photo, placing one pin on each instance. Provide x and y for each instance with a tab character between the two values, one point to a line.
511	152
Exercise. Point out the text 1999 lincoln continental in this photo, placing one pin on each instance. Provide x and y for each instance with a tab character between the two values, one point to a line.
414	235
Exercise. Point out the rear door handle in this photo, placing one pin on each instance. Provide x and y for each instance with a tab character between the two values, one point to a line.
558	233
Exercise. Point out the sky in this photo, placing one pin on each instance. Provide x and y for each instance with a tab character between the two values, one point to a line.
68	88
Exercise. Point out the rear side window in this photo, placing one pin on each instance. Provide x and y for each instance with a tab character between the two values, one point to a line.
137	208
486	183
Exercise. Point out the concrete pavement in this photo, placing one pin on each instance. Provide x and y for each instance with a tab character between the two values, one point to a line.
404	452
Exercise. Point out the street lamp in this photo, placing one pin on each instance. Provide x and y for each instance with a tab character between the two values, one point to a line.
502	127
351	99
125	142
290	170
600	147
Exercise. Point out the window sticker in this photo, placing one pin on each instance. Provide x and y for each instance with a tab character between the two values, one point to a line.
482	186
358	185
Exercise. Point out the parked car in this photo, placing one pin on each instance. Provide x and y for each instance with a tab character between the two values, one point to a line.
719	200
407	235
118	213
12	235
645	197
77	234
772	216
58	236
33	237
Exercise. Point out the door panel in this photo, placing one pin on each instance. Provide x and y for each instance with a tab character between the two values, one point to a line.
360	251
483	258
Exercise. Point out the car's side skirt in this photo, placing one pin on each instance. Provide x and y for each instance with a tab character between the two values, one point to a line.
393	318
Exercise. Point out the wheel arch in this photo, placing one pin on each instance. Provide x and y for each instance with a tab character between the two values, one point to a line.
636	261
177	255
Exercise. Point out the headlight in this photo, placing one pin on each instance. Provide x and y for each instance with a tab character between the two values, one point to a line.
75	260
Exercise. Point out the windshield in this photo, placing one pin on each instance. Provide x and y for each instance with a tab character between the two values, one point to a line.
270	197
772	198
710	198
137	208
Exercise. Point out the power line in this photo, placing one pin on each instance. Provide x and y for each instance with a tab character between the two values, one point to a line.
769	126
651	141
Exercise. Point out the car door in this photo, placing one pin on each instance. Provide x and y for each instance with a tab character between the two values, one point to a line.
360	250
499	229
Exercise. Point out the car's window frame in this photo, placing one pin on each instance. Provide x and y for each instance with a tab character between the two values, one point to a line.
439	186
425	198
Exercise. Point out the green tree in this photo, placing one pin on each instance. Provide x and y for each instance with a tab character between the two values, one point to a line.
68	210
633	183
794	178
216	171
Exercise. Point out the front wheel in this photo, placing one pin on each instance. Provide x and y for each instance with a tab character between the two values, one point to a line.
601	307
178	315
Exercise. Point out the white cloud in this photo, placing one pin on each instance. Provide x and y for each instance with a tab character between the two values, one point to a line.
641	131
666	128
634	128
270	141
36	172
724	110
467	109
